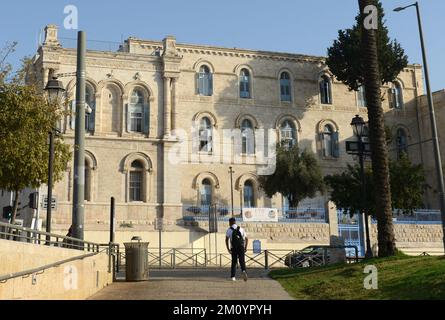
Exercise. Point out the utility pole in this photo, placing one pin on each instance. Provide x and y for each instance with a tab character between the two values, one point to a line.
79	145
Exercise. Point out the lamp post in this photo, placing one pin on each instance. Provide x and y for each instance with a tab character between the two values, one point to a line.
79	141
435	139
231	172
359	127
55	91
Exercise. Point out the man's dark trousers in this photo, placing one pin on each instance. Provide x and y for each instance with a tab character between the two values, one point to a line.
238	254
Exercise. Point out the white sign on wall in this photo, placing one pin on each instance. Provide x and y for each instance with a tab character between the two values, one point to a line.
260	215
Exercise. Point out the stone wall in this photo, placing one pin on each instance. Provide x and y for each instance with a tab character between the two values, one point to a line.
415	238
76	280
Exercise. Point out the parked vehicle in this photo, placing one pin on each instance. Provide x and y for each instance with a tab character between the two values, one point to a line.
311	256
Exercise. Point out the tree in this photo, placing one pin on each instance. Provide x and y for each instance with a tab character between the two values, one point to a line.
345	56
407	188
364	56
297	176
5	67
26	118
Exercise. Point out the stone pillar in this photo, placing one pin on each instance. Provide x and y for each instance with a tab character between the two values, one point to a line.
336	255
332	215
174	103
167	106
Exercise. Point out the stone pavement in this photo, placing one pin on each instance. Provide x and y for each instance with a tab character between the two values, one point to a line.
202	284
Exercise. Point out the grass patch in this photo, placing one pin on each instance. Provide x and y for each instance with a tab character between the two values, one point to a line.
399	278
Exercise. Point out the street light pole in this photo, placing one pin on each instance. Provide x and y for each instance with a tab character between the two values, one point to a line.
231	188
79	144
359	127
435	139
55	90
50	184
368	253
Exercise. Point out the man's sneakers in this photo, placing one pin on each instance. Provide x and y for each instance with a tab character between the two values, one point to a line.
244	277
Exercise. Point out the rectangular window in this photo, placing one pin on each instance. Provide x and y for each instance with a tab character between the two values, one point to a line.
136	121
285	91
205	140
135	186
361	97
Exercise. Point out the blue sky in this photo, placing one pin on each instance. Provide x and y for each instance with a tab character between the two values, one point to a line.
297	26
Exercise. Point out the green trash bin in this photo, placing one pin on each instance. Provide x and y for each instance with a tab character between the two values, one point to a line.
136	260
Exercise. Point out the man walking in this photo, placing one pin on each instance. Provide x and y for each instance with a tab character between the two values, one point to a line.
238	247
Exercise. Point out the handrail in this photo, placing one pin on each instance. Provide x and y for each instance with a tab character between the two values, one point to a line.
63	241
10	276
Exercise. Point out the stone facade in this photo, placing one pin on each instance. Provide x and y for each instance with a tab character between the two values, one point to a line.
161	85
166	73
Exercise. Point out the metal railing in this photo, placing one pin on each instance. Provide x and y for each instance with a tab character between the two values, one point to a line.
40	270
224	213
21	234
420	216
10	232
172	258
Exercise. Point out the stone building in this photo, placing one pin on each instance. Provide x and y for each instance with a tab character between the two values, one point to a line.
153	99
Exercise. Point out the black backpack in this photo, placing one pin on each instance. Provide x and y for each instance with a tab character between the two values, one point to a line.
237	239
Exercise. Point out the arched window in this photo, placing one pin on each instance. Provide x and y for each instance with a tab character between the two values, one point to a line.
402	143
288	134
136	181
361	97
90	99
206	192
205	135
325	90
205	81
87	188
138	113
396	96
330	142
244	84
285	87
247	137
249	196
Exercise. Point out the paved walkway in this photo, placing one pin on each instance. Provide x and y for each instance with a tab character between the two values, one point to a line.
208	284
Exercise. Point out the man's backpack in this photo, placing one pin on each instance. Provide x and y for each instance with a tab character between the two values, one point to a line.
237	239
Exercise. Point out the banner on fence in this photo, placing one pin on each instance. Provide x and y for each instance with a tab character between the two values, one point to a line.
260	215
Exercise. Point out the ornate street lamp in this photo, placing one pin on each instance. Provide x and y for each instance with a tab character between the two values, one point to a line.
360	127
55	91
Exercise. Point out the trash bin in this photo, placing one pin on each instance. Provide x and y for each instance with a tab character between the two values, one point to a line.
136	260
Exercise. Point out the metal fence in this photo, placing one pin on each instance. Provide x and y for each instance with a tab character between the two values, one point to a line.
224	213
418	217
173	258
96	45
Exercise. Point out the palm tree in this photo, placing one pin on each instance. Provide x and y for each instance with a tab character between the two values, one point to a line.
380	163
